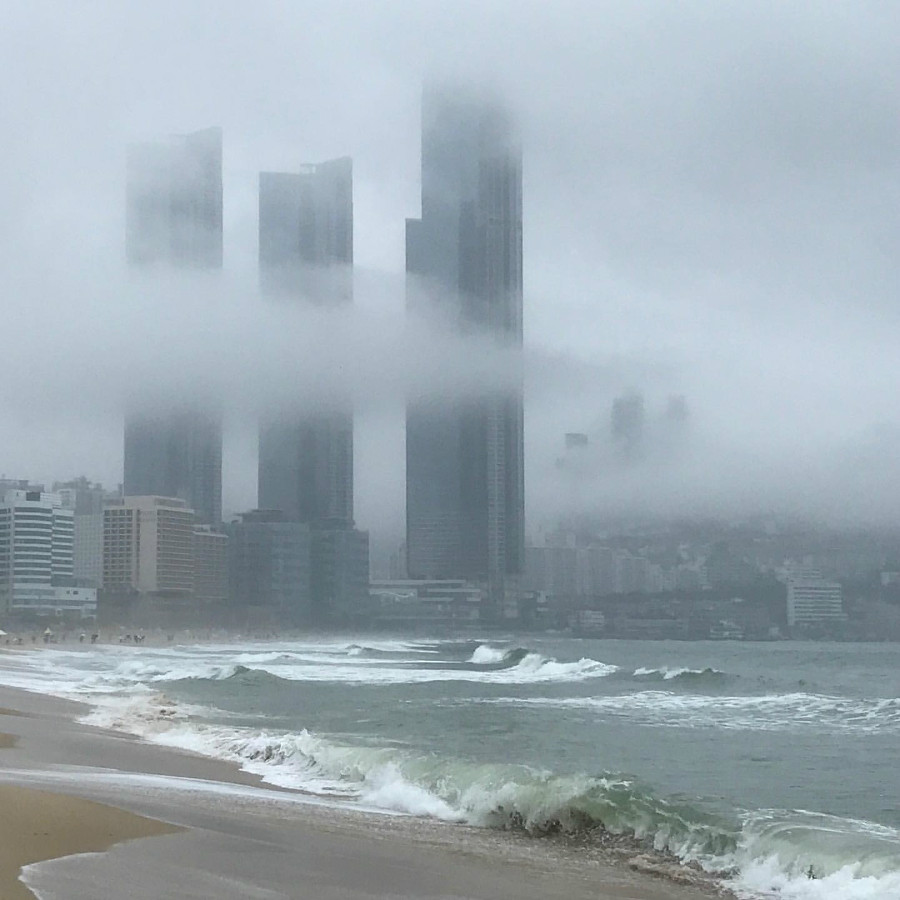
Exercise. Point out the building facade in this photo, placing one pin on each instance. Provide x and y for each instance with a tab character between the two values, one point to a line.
174	223
173	214
86	499
148	547
813	600
88	549
269	567
339	575
422	604
37	557
464	458
306	450
176	453
210	552
306	256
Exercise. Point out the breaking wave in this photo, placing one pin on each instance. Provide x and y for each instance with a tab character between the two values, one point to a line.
682	675
518	666
784	853
486	655
768	712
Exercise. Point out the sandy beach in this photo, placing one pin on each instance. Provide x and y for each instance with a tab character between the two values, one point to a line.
90	813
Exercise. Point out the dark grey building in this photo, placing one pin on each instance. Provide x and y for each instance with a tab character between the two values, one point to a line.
269	566
464	458
339	575
306	256
174	221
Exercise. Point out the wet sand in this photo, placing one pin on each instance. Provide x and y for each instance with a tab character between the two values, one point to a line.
37	826
167	824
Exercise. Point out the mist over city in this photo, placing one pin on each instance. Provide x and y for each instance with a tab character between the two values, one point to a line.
708	200
448	448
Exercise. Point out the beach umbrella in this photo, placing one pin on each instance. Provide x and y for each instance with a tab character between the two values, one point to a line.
2	633
47	631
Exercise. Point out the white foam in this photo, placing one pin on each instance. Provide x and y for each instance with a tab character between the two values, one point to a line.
767	712
485	655
767	878
668	674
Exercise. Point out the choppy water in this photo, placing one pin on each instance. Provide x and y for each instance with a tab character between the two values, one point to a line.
774	760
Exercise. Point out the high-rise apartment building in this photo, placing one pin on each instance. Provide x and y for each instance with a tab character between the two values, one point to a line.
210	551
306	256
36	557
174	201
174	222
148	547
813	601
87	500
464	457
176	453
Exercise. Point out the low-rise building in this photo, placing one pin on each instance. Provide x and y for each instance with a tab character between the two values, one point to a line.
422	604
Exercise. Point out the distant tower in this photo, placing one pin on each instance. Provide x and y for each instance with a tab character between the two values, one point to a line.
464	460
627	424
174	221
306	256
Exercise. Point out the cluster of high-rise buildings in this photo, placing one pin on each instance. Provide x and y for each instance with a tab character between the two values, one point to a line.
300	551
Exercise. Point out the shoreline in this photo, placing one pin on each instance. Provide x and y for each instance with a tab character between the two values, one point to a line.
241	838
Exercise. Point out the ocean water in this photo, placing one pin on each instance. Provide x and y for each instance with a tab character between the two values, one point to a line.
777	763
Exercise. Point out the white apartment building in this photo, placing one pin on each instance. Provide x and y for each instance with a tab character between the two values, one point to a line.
36	557
812	600
148	546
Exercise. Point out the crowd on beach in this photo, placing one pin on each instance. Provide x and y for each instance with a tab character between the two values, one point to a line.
48	636
29	638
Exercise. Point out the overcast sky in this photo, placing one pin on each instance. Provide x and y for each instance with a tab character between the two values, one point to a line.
712	209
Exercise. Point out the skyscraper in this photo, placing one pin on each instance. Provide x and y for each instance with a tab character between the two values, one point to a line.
174	221
306	256
306	454
174	201
464	458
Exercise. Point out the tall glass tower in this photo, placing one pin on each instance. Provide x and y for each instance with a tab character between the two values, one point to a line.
174	221
306	256
464	457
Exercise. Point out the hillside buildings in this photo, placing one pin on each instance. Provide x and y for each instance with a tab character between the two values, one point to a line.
173	448
464	459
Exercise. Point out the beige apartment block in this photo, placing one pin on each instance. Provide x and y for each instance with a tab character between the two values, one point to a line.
148	545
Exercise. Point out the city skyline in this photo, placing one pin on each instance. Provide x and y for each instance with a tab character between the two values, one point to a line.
670	247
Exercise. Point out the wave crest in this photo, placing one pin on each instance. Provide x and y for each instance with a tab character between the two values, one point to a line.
681	674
